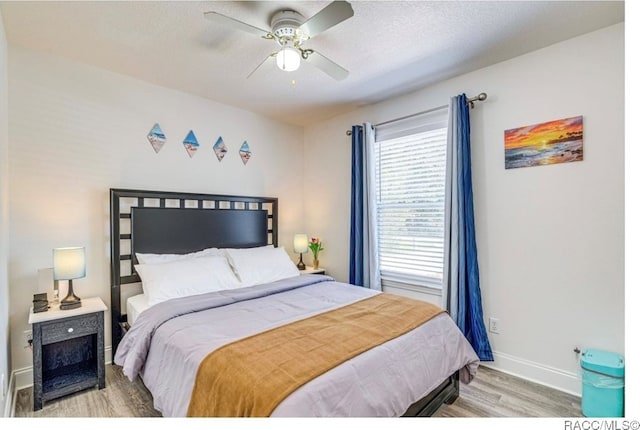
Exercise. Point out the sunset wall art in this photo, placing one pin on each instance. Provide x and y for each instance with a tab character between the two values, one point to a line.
553	142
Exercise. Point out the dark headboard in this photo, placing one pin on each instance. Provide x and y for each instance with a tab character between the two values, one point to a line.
178	223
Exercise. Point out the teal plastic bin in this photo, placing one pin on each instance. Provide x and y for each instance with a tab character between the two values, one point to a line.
602	383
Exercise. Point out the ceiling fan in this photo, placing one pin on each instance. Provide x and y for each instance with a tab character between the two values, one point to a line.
290	30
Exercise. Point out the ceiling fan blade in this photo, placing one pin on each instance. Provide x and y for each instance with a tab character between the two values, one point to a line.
332	69
232	22
331	15
272	55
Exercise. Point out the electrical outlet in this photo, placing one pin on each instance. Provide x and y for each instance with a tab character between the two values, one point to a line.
494	325
28	337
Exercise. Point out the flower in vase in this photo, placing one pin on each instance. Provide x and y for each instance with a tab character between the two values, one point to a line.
315	245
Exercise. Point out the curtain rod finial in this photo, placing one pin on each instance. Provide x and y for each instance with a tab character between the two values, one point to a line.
480	97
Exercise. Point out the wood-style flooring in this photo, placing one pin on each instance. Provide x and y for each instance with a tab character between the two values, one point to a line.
491	394
496	394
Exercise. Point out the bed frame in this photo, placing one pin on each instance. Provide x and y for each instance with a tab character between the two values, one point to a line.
173	222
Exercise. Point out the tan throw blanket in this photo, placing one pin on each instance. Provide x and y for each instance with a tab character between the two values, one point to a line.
251	376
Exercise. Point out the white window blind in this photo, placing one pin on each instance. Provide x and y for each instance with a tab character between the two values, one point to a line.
410	181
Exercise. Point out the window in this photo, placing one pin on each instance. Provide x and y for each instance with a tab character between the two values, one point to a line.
410	181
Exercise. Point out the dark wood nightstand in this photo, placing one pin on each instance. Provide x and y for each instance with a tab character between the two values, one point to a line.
68	350
312	271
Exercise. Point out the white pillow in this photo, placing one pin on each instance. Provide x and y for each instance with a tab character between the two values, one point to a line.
261	265
186	277
165	258
243	250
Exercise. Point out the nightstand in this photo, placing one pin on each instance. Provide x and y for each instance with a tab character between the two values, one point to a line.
311	271
68	350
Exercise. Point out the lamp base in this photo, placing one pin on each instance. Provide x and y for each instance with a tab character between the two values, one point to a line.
66	305
71	301
301	265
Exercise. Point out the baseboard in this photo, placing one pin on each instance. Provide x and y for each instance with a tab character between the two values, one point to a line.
9	401
558	379
23	378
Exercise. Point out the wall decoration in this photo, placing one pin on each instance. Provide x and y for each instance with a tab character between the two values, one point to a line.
245	152
156	137
191	143
220	148
553	142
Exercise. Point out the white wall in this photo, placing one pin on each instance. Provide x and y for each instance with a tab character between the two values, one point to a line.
4	223
75	131
551	238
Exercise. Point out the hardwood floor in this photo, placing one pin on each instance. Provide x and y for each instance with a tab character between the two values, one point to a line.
120	398
491	394
496	394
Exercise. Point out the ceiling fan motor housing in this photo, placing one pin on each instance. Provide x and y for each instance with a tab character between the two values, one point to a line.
284	23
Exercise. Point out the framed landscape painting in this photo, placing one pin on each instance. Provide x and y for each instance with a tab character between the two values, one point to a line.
553	142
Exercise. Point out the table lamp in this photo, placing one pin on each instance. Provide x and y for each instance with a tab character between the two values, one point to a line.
69	264
301	246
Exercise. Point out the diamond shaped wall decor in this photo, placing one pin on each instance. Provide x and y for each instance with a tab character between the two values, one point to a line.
156	138
245	152
191	143
220	148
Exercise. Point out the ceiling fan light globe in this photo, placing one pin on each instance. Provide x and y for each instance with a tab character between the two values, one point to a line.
288	59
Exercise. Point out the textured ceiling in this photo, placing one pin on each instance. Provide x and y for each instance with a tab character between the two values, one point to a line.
389	47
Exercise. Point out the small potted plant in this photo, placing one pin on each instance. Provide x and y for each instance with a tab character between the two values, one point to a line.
315	244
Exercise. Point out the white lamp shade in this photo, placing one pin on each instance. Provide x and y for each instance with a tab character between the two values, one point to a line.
69	263
300	243
288	59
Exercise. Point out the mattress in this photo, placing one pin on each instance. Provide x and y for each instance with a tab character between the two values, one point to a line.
135	306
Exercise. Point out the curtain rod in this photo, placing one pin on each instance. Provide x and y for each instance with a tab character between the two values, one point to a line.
480	97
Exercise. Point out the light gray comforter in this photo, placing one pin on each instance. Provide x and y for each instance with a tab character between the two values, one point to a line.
169	340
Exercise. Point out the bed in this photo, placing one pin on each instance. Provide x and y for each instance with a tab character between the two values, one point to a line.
166	340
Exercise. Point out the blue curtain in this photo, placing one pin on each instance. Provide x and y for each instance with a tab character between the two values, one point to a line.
356	238
461	287
363	256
